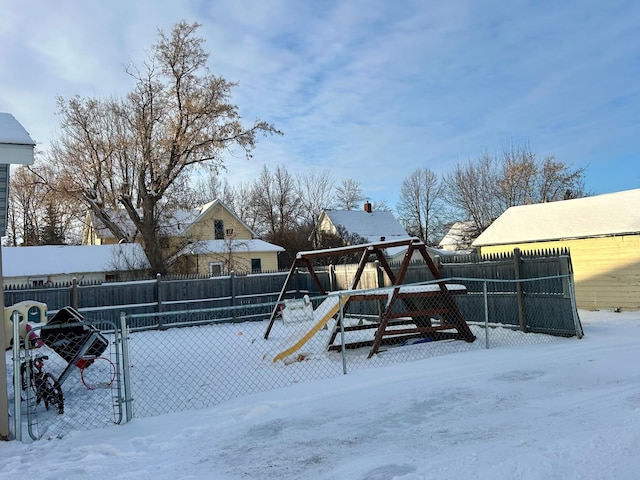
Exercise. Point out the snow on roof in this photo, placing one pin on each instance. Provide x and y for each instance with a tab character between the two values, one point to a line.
457	235
372	226
16	145
224	246
601	215
69	259
12	132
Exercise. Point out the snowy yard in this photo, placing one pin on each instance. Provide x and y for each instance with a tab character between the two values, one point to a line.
565	409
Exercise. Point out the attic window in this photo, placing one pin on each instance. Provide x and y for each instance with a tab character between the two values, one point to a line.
218	229
229	231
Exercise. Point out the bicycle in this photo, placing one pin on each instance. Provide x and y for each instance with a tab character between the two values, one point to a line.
45	386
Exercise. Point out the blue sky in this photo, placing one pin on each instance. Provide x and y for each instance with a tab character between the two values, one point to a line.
369	89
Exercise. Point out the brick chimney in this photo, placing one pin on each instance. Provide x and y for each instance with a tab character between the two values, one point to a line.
367	207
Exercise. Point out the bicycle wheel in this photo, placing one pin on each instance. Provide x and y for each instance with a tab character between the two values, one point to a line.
99	374
51	393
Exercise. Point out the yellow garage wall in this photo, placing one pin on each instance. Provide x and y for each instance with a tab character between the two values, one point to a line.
606	269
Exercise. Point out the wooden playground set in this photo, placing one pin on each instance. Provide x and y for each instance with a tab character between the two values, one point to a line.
406	313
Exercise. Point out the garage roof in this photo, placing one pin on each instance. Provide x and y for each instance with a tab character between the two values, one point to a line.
601	215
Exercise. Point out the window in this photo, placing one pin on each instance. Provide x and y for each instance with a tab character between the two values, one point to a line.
216	269
218	229
37	282
256	265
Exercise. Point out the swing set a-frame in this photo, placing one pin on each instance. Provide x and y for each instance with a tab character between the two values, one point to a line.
410	312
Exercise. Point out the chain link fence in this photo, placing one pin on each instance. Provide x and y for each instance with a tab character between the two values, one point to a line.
192	359
66	376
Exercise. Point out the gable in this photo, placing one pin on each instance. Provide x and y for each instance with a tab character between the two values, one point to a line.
203	227
601	215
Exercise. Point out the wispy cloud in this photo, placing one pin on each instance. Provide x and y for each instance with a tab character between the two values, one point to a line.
371	89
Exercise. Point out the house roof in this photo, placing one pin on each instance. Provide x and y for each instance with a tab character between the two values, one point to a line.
372	226
223	246
601	215
16	146
457	234
11	131
70	259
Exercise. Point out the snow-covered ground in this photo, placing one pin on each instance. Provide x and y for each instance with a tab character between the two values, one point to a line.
565	410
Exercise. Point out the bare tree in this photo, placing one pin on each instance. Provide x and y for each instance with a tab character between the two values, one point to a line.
316	193
210	186
482	189
556	181
277	201
472	189
349	194
516	182
242	202
25	199
380	206
134	153
38	215
420	207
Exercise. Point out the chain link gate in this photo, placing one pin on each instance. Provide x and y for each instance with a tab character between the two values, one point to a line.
66	376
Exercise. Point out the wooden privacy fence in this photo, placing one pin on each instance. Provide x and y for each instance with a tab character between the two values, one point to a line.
549	296
106	301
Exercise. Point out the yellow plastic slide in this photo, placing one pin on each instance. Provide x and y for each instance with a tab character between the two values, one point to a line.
325	311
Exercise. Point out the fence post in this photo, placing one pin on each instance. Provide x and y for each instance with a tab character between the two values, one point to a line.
126	372
342	342
74	293
4	396
332	277
232	279
519	291
380	274
486	313
437	263
160	318
15	323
